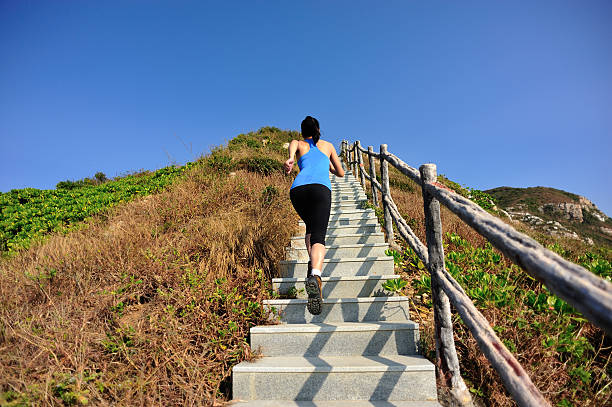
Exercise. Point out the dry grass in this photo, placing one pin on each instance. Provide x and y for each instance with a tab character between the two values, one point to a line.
151	306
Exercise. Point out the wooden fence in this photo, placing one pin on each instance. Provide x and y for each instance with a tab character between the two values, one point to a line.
585	291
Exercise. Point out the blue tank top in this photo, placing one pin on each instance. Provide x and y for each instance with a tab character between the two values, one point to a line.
314	168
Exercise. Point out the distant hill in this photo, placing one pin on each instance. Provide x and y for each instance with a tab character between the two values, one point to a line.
556	212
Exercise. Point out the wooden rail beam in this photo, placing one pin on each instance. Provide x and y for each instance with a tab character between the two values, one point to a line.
585	291
360	165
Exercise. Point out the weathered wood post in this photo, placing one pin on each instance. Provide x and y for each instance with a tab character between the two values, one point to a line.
343	154
348	156
354	160
372	175
360	164
386	190
447	363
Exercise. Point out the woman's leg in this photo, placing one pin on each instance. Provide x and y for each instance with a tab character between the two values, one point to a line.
307	242
317	254
319	219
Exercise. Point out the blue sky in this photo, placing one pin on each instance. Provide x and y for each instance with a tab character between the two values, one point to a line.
495	93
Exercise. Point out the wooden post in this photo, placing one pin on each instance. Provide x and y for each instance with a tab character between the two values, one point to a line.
360	164
372	176
349	160
354	160
447	363
343	154
386	190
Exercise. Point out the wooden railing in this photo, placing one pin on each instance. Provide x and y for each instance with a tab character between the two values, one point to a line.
585	291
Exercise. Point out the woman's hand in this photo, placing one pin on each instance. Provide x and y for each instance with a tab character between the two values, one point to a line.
293	146
289	165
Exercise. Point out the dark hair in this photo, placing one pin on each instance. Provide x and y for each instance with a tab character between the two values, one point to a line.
310	128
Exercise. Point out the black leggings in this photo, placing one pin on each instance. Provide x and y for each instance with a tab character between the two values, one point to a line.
313	203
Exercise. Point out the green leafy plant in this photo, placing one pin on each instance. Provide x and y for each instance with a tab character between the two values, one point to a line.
397	256
395	285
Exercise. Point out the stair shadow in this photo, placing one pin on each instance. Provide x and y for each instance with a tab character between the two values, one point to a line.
386	384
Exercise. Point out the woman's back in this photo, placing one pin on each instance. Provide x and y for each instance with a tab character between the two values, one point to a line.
314	167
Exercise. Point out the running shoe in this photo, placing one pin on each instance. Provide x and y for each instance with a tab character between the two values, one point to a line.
309	269
315	296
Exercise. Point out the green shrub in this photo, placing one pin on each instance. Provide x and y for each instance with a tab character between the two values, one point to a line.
261	165
220	161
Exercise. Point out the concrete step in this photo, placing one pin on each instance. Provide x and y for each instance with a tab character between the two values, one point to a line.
350	229
337	287
335	378
357	196
337	339
341	251
350	238
347	205
341	310
346	185
370	220
346	188
353	214
350	212
348	266
343	180
345	230
334	403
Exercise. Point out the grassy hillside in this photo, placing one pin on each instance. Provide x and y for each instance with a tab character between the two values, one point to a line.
29	214
540	201
531	197
567	358
150	301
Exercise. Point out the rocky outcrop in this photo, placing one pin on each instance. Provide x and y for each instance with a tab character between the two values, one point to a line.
573	212
554	212
550	227
569	211
592	209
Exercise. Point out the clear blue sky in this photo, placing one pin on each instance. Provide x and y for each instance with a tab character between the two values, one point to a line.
496	93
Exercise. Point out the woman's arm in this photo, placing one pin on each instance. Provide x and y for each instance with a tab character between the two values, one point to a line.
293	146
335	167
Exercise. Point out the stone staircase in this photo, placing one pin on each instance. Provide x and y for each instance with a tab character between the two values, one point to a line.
362	350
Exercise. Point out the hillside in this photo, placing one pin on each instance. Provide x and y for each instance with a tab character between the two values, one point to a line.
555	212
566	357
149	301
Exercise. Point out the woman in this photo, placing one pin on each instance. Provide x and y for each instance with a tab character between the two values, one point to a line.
311	197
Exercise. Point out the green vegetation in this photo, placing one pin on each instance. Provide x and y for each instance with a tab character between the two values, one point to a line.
265	139
542	330
395	285
261	165
508	196
534	200
482	199
151	303
29	214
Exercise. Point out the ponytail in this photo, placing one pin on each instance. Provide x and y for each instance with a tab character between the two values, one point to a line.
310	128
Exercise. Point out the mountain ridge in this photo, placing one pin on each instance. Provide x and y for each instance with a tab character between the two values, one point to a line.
555	212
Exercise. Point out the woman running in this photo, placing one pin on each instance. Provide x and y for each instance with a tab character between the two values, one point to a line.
311	197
